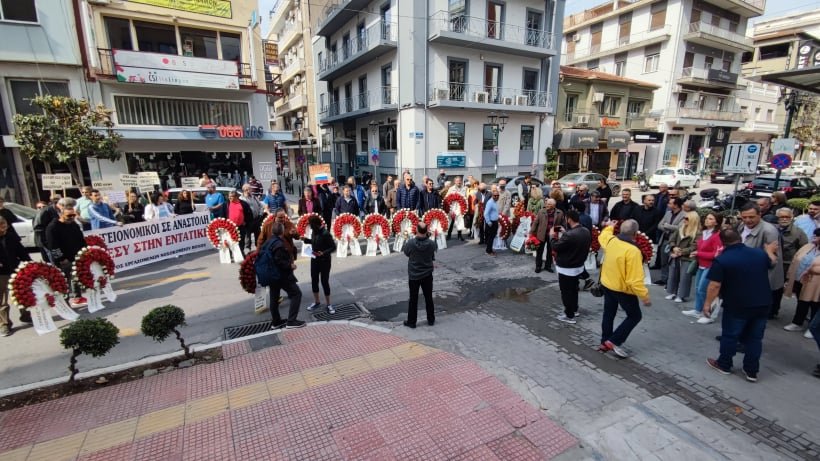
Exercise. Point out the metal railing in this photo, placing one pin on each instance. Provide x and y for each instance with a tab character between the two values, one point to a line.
481	94
294	67
701	74
709	110
482	29
374	35
291	29
718	32
384	96
634	38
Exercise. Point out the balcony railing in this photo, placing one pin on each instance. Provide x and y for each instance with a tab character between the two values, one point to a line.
722	33
293	68
633	40
481	94
716	76
708	111
369	100
482	29
289	32
374	35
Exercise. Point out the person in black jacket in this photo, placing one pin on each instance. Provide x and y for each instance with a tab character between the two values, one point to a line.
65	239
571	249
648	217
430	198
626	208
308	203
374	201
185	204
41	220
323	246
421	254
12	254
283	259
134	210
347	203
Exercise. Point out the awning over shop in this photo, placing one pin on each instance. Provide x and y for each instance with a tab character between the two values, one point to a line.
616	139
801	79
575	138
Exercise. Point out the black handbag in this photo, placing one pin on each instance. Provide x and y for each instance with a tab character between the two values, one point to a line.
597	289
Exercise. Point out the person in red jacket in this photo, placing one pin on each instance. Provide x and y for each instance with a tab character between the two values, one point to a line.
708	248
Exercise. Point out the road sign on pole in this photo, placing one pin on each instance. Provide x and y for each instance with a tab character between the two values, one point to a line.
741	158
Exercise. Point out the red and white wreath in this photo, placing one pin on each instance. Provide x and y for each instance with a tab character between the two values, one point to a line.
21	291
459	200
503	227
645	245
302	224
95	241
269	218
247	272
595	245
517	219
436	214
220	226
90	277
374	219
346	219
400	216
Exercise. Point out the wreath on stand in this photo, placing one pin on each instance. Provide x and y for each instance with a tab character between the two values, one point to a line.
247	272
93	270
403	225
479	215
303	227
346	229
519	210
376	241
38	286
517	220
224	236
504	227
95	241
438	216
645	245
456	205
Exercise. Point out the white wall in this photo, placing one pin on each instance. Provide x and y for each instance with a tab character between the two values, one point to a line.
512	72
53	40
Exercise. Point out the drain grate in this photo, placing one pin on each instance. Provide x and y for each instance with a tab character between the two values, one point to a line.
240	331
343	312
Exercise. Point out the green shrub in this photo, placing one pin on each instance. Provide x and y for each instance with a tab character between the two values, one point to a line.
162	321
799	205
94	337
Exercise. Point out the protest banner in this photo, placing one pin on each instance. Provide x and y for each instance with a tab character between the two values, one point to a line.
320	174
147	180
56	181
129	180
136	245
189	182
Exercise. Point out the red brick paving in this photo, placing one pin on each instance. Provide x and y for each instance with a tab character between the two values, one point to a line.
435	406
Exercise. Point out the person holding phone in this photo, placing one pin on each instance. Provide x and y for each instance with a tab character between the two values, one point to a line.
571	250
549	217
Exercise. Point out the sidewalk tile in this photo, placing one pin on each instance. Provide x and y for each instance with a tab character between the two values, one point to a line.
462	400
15	436
452	437
396	425
550	438
487	424
491	390
164	390
358	439
409	351
293	404
122	452
352	367
442	381
259	443
206	379
207	407
243	370
235	349
18	454
166	445
209	440
382	359
274	362
469	373
248	395
517	412
160	421
375	402
302	334
306	355
381	454
64	448
417	446
514	446
110	435
319	450
320	376
285	385
305	429
249	419
480	453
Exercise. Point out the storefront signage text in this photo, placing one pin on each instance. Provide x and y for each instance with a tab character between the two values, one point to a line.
218	8
231	132
610	122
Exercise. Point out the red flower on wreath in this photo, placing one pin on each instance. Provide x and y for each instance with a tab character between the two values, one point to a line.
519	210
302	223
372	220
20	290
346	219
81	270
531	244
436	214
479	215
594	245
247	272
226	226
645	245
401	215
517	219
455	198
504	227
95	241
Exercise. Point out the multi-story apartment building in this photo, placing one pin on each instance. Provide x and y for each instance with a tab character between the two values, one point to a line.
463	85
38	55
597	117
187	84
691	48
290	28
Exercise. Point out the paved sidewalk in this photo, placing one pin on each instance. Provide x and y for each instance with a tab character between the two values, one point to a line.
328	392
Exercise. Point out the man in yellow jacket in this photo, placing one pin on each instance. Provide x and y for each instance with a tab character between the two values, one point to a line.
622	278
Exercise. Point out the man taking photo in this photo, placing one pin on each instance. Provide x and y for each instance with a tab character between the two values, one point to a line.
571	249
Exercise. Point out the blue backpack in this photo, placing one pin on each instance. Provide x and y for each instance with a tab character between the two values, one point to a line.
266	271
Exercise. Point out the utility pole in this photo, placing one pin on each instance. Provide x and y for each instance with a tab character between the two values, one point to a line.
793	104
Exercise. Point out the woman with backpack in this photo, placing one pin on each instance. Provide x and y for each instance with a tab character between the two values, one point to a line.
323	245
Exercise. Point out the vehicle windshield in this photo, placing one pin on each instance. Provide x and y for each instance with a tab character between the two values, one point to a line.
572	177
664	172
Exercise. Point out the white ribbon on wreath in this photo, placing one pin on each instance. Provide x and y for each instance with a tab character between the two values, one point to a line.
40	312
458	214
228	247
406	230
437	230
95	295
349	241
377	245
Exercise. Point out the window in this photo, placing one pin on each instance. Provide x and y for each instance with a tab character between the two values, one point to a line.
611	105
624	28
18	10
708	62
620	64
119	33
387	83
744	110
23	91
199	43
571	106
137	110
387	137
732	26
527	136
458	11
492	82
634	108
658	12
458	78
364	135
455	136
652	57
597	31
757	114
715	20
780	50
231	45
770	115
727	65
495	19
489	137
593	64
157	38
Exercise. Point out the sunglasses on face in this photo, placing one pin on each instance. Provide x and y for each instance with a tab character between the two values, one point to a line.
71	215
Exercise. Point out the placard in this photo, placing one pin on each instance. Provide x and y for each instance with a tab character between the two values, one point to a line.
190	182
147	179
116	196
102	186
266	171
56	181
260	298
129	180
521	234
320	174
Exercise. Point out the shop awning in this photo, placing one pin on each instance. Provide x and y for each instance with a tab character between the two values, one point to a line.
801	79
575	138
617	139
344	141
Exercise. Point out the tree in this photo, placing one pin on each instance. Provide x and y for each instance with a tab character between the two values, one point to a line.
94	337
162	321
806	124
65	131
551	165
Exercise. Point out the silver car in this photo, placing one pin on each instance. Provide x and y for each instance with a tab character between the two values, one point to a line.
24	226
571	181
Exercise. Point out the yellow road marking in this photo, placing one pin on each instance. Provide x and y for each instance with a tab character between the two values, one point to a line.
175	278
128	332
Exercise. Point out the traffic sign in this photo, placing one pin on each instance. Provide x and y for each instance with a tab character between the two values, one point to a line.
781	161
783	146
741	158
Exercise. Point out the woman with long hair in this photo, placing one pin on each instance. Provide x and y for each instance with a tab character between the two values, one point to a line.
681	244
323	245
134	210
185	203
560	201
158	208
708	246
536	200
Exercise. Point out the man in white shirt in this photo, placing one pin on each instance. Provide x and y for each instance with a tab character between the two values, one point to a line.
504	198
597	210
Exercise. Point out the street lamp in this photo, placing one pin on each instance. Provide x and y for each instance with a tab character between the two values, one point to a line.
498	123
709	130
300	158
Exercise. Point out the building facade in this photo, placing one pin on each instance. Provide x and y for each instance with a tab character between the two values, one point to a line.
597	117
474	95
691	48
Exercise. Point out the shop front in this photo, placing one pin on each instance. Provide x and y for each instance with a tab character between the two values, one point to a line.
619	160
646	144
573	146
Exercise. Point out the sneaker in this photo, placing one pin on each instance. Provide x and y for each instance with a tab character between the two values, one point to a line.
751	377
678	299
616	349
714	364
808	334
793	327
281	299
588	284
330	309
5	330
78	302
409	325
691	313
565	319
295	324
278	326
669	297
703	320
313	306
604	348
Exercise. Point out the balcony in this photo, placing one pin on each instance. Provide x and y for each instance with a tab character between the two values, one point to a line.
709	35
293	69
290	34
290	104
702	114
708	78
467	96
490	35
336	15
621	44
762	127
169	69
747	8
378	39
369	102
280	13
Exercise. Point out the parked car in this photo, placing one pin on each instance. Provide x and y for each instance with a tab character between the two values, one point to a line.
765	168
513	182
730	178
801	167
674	177
571	181
24	227
198	194
793	186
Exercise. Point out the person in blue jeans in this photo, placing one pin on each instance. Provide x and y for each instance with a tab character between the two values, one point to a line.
740	276
708	248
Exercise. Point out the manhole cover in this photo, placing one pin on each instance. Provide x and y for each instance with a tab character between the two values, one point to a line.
343	312
240	331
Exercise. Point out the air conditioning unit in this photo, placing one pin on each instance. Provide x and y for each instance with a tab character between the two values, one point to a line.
442	94
507	100
597	97
481	96
582	120
522	100
576	38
